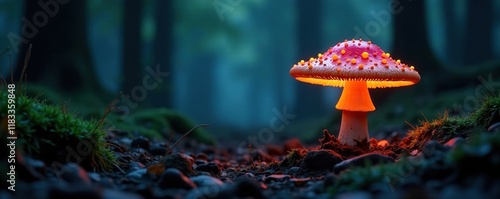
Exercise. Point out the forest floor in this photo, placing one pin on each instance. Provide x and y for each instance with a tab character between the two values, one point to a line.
450	157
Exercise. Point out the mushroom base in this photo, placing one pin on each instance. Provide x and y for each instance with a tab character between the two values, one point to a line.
354	127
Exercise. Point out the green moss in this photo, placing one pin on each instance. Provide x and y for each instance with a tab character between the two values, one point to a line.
52	134
488	112
446	127
441	129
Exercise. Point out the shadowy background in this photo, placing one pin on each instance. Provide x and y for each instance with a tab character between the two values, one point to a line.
228	61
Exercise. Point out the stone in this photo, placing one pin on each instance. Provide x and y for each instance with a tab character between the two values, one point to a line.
179	161
73	173
323	159
211	168
158	149
454	142
205	181
173	178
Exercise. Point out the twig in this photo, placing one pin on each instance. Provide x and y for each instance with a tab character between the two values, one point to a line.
26	61
408	123
185	134
106	112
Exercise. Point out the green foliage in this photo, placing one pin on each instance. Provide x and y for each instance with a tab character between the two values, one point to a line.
441	129
51	134
488	112
446	127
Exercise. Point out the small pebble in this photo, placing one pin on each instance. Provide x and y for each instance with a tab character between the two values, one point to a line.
140	142
179	161
454	142
158	149
73	173
294	170
211	168
494	127
201	156
200	162
137	175
205	181
433	148
95	177
173	178
276	177
132	166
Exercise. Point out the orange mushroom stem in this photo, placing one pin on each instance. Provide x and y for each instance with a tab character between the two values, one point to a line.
354	102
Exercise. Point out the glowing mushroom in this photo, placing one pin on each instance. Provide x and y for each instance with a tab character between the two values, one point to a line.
355	65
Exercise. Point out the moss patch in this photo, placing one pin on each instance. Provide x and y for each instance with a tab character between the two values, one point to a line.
441	129
488	112
446	127
51	134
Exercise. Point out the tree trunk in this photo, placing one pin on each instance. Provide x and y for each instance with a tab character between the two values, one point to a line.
478	40
454	35
412	46
411	43
308	97
163	45
60	57
131	56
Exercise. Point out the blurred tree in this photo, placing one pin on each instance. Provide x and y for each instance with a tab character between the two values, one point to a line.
308	42
131	47
60	57
411	41
454	34
163	50
412	45
479	32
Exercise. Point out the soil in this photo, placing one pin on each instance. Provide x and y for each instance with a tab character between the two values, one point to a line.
151	169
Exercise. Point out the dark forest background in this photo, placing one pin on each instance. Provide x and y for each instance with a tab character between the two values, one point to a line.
228	61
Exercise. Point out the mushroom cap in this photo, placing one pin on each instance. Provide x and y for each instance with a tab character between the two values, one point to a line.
355	60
